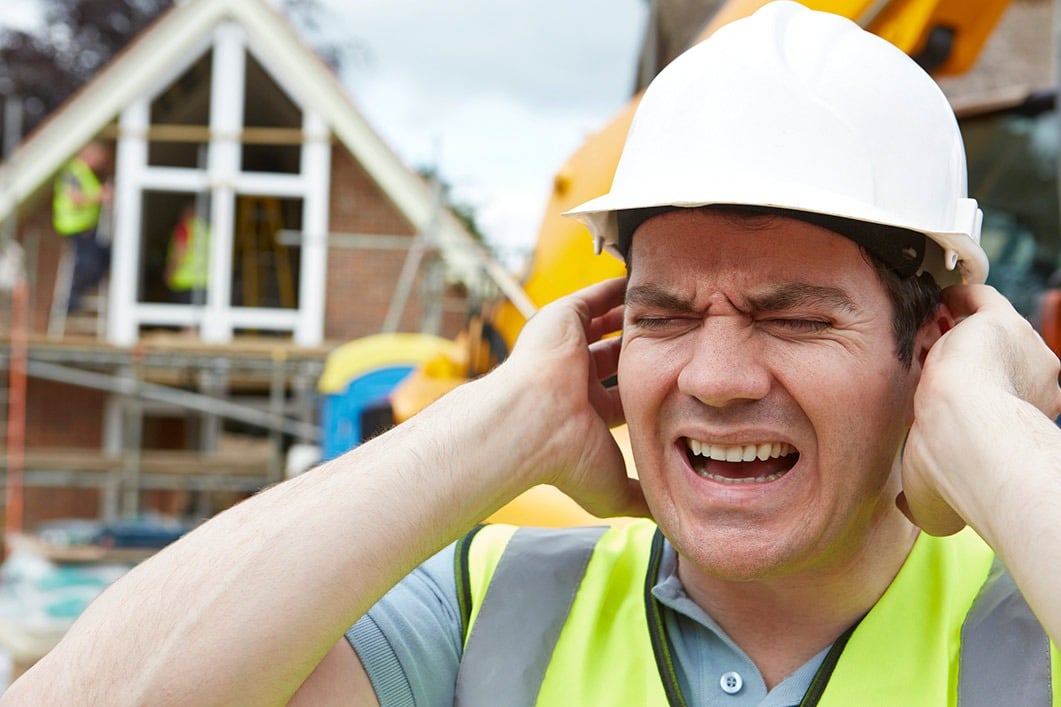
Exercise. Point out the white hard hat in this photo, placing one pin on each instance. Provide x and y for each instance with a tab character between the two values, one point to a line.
804	112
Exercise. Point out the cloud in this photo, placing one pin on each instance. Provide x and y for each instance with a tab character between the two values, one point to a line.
495	94
571	53
21	14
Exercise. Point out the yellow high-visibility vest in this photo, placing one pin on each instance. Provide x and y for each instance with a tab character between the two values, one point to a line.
192	271
69	217
566	617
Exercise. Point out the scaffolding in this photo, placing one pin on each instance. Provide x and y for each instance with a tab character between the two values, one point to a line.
262	385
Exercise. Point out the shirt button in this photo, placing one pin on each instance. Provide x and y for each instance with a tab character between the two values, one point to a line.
731	683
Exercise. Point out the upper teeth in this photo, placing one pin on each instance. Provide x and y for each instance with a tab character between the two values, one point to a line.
741	453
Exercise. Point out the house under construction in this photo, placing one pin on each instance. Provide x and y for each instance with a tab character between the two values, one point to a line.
318	235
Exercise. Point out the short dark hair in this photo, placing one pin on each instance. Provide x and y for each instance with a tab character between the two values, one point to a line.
915	300
914	297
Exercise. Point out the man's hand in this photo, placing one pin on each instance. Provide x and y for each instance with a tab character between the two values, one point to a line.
987	389
562	358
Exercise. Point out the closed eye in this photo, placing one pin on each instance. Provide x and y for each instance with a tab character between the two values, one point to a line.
798	325
654	323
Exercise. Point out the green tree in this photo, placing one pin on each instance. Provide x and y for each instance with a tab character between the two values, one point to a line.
43	66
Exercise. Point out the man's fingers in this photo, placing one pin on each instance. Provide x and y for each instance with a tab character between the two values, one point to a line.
608	323
965	300
605	355
601	299
604	395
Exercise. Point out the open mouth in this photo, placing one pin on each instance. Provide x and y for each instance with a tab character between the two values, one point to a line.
741	464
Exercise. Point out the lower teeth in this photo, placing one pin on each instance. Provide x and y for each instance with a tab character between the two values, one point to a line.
752	480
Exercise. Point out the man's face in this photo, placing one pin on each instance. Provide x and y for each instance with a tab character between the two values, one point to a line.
768	342
97	158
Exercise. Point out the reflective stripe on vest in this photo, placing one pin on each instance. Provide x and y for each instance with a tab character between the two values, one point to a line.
952	629
68	217
999	634
554	565
614	672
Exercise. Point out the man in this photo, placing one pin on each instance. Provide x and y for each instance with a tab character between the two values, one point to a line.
799	395
80	192
188	258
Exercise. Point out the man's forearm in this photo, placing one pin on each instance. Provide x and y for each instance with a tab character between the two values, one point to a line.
242	609
1019	513
984	448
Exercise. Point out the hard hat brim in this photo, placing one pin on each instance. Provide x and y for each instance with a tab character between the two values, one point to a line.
956	263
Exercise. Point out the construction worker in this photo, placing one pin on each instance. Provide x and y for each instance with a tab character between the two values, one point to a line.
806	409
80	192
187	258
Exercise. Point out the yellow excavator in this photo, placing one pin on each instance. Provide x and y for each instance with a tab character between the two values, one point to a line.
945	36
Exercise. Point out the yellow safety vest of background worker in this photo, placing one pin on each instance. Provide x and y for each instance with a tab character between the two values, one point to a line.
188	257
952	629
77	198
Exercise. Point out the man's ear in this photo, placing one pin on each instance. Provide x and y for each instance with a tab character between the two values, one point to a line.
941	321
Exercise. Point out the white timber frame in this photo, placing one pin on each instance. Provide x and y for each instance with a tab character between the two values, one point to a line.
222	180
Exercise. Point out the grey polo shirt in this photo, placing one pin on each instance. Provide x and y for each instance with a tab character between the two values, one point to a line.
410	645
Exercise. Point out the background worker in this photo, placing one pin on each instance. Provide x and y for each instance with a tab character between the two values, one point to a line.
826	349
188	258
81	191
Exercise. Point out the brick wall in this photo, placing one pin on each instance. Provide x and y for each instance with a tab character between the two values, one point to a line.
59	415
42	504
361	281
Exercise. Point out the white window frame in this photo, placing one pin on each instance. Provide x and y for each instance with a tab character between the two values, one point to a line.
223	181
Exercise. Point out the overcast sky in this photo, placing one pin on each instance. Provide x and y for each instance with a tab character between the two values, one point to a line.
19	13
497	94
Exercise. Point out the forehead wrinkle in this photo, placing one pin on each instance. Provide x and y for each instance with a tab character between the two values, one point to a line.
793	295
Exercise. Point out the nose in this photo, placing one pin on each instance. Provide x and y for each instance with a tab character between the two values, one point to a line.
724	363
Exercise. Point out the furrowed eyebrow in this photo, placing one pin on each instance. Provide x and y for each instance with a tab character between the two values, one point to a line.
777	298
657	298
784	297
